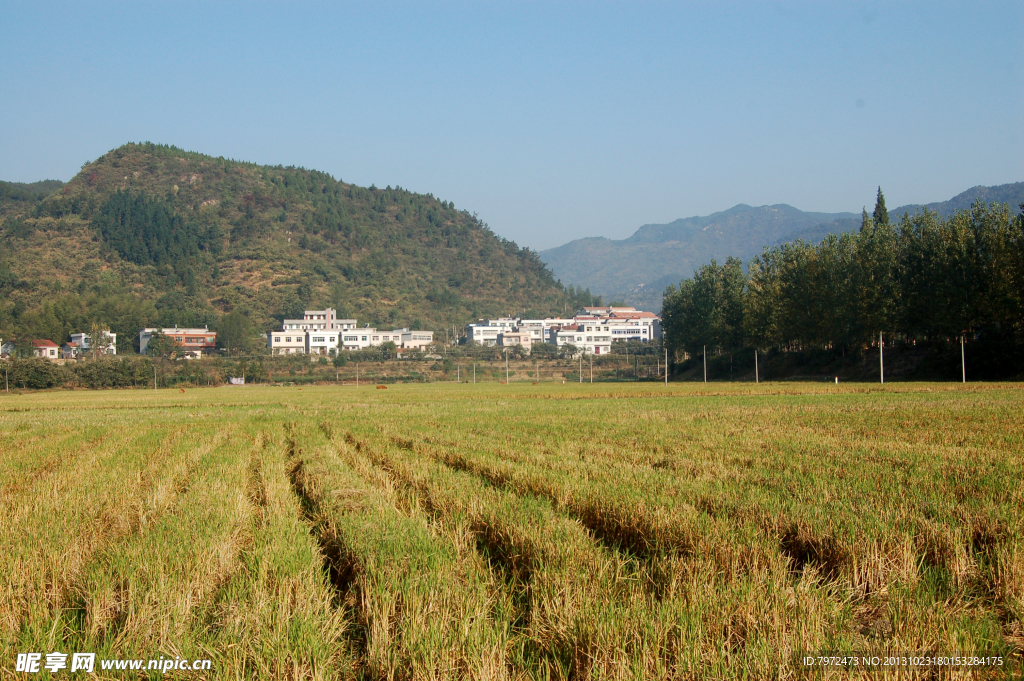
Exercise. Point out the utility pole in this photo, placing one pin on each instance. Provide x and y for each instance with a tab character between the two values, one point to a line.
666	367
7	386
581	368
506	367
458	373
154	376
757	375
474	373
705	364
881	360
357	375
591	368
963	361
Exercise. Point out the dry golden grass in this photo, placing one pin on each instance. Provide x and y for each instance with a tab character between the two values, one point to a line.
506	532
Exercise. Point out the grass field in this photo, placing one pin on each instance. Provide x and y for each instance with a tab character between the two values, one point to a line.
500	532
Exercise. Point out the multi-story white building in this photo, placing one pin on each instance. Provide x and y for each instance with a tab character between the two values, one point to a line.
382	337
287	342
358	339
592	338
632	324
320	332
483	334
84	342
321	342
523	339
318	320
416	340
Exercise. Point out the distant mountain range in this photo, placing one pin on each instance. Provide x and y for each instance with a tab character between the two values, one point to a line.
636	270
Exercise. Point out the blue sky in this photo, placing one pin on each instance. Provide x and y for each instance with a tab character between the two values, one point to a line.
553	121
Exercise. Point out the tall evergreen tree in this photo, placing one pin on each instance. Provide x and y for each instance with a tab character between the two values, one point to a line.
881	215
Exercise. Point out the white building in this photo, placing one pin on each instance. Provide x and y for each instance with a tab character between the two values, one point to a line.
409	339
358	339
590	339
322	342
318	320
84	342
523	339
382	337
286	342
416	340
632	324
483	334
319	332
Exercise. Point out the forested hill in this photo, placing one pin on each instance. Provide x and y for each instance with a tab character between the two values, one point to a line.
150	234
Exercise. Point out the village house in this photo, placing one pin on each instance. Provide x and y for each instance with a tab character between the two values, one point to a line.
85	344
286	342
45	349
193	342
71	350
524	339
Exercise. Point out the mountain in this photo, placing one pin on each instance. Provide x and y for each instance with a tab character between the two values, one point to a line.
153	235
1011	194
636	270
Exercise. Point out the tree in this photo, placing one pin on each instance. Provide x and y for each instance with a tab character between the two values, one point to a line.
235	333
876	280
881	215
706	310
99	340
161	346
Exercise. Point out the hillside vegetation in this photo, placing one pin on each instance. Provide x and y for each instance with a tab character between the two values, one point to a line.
150	234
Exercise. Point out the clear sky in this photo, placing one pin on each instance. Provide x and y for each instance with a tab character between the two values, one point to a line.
553	121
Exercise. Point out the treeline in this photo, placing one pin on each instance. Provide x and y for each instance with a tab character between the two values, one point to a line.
926	279
127	372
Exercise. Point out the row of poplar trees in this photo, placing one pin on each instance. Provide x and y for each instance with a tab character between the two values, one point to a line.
927	278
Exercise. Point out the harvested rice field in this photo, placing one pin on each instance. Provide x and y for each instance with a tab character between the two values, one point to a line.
446	531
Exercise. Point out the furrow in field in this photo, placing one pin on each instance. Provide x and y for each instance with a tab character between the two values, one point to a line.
147	592
420	610
589	612
679	608
55	528
275	617
648	514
